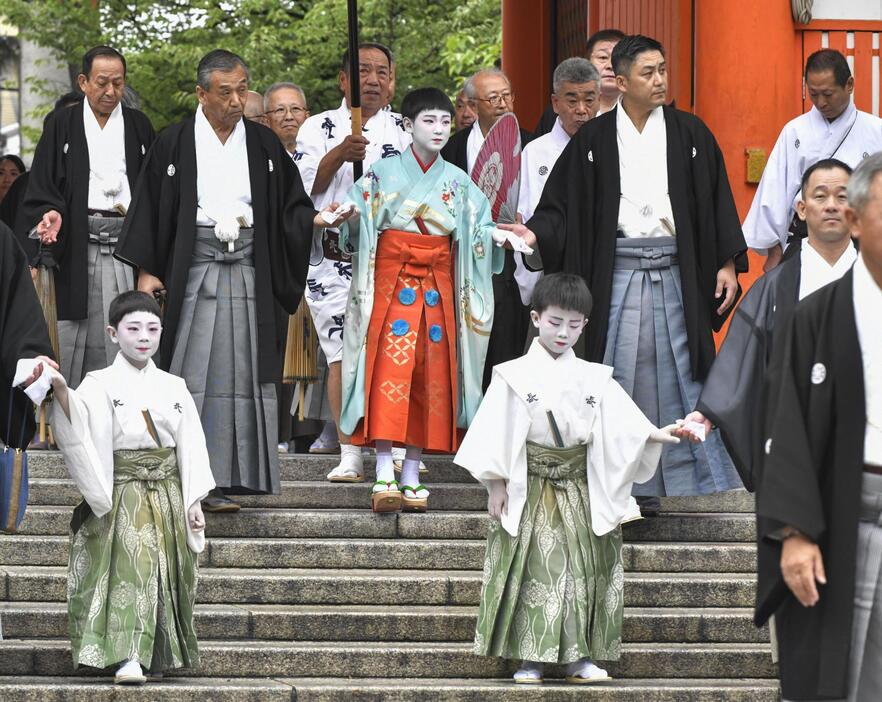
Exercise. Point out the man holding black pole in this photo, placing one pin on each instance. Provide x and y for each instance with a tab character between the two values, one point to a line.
329	150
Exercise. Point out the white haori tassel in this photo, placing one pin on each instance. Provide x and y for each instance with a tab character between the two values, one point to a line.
227	231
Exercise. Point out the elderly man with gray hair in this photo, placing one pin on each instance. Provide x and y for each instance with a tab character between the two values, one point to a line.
490	95
576	96
285	108
820	541
221	222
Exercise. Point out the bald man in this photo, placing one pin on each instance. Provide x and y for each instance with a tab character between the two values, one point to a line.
254	108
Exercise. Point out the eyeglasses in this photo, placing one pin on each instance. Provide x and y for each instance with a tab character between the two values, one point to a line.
281	112
497	100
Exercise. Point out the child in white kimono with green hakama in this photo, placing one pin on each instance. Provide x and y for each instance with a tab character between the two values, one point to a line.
133	443
558	444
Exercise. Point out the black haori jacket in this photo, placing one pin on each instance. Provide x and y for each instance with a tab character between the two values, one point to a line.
812	481
744	377
160	232
576	222
59	180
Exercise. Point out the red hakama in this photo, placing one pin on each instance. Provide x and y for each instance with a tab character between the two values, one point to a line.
410	364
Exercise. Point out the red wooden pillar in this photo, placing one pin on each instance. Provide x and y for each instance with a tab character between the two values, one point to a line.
526	56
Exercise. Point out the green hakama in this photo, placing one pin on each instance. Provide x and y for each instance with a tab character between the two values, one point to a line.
131	576
553	593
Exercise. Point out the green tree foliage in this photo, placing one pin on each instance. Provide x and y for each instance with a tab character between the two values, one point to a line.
435	42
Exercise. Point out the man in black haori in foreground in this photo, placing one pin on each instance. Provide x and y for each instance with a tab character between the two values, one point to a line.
819	507
639	205
23	337
746	371
220	220
79	188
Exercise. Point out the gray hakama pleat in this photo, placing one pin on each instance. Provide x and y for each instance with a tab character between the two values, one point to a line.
648	349
865	654
216	354
83	344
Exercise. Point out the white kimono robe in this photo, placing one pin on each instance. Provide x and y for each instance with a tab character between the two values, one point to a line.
851	137
105	415
589	408
537	160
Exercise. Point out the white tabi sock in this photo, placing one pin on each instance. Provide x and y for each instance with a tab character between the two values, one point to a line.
385	467
410	472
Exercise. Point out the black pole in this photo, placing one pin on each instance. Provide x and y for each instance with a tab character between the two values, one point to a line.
354	79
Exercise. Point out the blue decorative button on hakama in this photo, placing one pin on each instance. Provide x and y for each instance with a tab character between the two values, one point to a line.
407	296
400	327
435	333
431	297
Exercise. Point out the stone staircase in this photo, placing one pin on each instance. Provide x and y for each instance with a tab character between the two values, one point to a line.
309	596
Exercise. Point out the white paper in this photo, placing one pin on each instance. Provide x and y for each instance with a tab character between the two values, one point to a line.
500	236
697	428
38	389
331	217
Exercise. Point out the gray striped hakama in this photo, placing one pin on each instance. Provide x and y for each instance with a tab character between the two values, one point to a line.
865	654
648	349
83	344
216	353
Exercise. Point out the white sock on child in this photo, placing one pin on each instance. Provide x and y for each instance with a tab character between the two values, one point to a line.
530	671
586	670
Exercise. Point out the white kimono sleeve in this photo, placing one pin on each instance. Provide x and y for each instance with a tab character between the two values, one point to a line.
311	145
86	441
768	221
495	446
620	454
193	464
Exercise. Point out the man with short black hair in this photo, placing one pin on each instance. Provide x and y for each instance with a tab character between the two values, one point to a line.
833	128
600	49
79	188
744	375
639	204
329	148
221	222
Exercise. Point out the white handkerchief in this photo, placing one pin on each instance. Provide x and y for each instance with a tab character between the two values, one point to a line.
38	389
500	236
331	217
696	428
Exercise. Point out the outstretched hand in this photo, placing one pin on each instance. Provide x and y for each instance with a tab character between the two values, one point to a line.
38	370
686	428
665	435
522	232
334	215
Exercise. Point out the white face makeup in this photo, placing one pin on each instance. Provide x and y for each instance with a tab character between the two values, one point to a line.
558	329
138	337
430	131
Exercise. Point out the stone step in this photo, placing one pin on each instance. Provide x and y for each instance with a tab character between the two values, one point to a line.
33	620
393	587
56	689
422	554
305	523
303	467
398	660
102	689
299	494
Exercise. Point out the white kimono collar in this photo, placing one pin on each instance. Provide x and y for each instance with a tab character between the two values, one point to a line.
539	353
122	365
559	135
